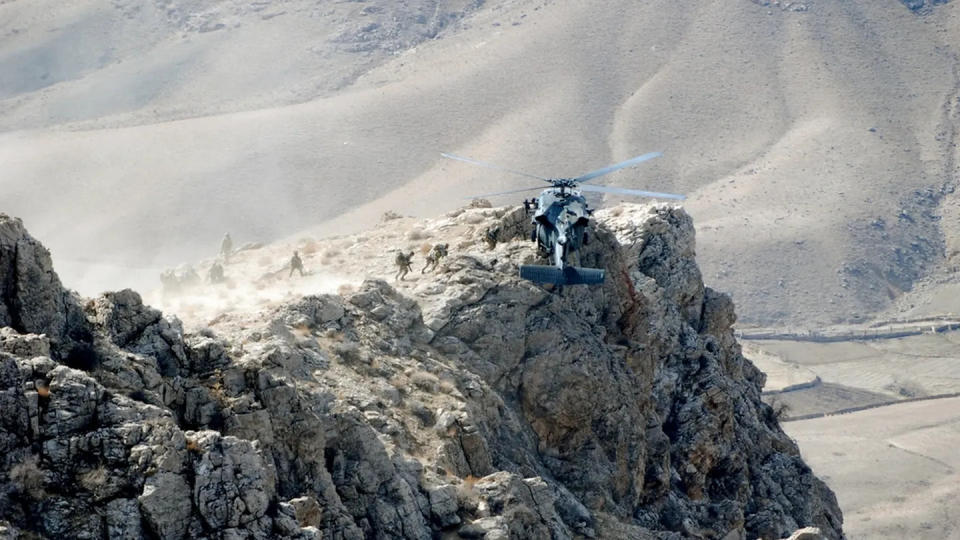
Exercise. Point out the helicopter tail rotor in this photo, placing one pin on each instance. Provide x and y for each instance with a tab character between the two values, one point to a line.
569	275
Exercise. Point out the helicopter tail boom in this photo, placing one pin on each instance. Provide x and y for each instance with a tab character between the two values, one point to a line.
569	275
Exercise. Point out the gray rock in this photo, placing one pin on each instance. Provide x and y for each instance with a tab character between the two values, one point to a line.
23	345
139	328
204	355
17	413
123	519
525	508
74	397
165	503
32	300
484	405
233	485
806	533
315	311
443	505
9	532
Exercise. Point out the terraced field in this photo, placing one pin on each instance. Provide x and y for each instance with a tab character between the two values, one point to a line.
909	367
895	466
894	469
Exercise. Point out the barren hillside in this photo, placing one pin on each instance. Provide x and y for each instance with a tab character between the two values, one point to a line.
462	402
881	423
816	140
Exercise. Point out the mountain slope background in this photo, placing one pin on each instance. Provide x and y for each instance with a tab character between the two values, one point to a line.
816	141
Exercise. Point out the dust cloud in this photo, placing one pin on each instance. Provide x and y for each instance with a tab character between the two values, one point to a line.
262	123
200	305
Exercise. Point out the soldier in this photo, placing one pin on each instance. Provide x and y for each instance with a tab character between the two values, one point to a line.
296	264
438	252
526	206
169	282
226	248
215	275
189	277
403	262
491	237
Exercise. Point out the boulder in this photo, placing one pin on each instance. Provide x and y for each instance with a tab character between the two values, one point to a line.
483	405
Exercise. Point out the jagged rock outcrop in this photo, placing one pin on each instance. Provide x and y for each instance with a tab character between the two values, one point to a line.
33	300
480	405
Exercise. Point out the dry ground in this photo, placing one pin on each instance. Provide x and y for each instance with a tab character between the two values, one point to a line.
893	468
818	149
908	367
259	278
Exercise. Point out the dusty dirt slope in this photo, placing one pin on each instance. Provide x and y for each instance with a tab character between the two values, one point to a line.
814	145
387	411
894	468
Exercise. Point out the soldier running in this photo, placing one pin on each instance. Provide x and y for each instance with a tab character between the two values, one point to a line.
403	262
438	252
296	264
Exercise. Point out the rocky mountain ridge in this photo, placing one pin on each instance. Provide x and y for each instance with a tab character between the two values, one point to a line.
474	405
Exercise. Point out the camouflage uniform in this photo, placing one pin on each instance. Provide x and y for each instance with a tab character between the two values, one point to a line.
491	237
296	264
438	252
403	262
215	275
226	247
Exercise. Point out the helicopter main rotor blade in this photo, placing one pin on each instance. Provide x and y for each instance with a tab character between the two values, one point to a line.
622	191
600	172
506	192
492	166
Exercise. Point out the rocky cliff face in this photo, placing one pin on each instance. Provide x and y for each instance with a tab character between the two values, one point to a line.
475	405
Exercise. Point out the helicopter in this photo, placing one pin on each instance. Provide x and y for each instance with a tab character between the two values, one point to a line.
561	217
